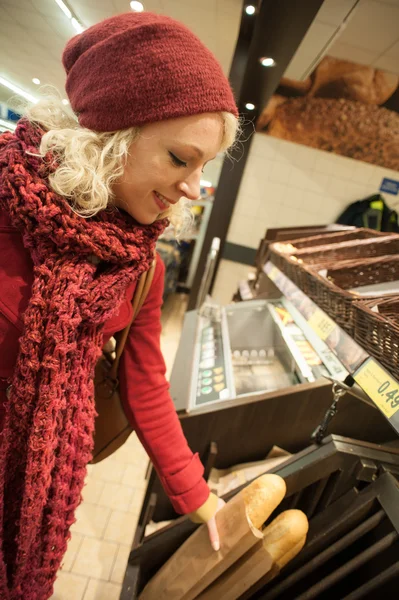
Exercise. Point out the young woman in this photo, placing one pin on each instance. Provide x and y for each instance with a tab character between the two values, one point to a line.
82	203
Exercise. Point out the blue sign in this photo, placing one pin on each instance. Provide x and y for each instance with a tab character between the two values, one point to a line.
391	186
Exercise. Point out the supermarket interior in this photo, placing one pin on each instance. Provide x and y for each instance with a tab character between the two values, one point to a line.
279	326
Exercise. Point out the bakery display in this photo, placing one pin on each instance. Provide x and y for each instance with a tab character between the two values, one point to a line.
195	565
282	540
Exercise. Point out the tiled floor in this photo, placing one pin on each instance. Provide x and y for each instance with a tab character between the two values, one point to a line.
95	562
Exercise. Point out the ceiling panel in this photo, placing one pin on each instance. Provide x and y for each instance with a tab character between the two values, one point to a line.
348	52
392	2
387	63
311	46
334	12
366	32
374	27
91	13
393	51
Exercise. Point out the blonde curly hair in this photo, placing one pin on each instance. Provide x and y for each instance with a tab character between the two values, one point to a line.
91	162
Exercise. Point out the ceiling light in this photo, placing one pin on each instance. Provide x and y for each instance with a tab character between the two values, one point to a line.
17	90
267	61
8	124
250	106
250	10
65	101
77	26
36	81
137	6
64	8
205	183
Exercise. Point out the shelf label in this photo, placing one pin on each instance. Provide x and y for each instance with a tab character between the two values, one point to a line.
321	324
379	385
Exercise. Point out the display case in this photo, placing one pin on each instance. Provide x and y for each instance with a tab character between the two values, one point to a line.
245	349
349	491
247	377
256	374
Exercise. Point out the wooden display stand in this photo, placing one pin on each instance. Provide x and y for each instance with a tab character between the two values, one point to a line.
349	492
247	432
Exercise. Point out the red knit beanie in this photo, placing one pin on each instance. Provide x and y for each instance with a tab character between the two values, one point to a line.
138	68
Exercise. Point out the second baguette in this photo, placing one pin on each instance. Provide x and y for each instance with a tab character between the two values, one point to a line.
284	533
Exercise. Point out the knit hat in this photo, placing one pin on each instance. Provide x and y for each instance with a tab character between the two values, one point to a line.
138	68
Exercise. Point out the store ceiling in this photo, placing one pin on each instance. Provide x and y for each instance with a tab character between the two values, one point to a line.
33	34
363	31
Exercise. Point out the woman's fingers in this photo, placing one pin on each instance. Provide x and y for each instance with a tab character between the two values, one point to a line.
213	534
212	528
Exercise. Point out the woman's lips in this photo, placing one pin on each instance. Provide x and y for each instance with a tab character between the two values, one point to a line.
159	203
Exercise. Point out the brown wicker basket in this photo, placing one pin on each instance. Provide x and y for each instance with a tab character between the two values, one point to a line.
331	254
351	250
378	332
333	237
286	256
332	291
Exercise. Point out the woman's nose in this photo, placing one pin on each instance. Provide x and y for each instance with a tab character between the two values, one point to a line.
190	187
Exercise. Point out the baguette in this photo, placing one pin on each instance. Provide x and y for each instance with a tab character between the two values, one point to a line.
284	533
195	565
280	559
284	560
282	540
262	496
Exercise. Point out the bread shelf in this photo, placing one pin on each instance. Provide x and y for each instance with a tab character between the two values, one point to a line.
368	373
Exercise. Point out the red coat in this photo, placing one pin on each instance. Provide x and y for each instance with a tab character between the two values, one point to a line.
143	386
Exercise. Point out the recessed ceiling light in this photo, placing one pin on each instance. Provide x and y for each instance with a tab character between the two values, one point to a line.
267	61
250	9
65	101
36	80
17	90
64	8
250	106
137	6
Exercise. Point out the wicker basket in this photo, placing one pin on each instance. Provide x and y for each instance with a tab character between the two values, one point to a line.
294	266
351	250
378	332
332	291
286	257
334	237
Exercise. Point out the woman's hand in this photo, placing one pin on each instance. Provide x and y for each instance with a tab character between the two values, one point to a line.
212	528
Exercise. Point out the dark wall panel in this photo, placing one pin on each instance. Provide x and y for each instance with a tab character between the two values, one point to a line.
275	30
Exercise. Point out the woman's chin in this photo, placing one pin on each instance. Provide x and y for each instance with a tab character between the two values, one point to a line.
142	219
145	219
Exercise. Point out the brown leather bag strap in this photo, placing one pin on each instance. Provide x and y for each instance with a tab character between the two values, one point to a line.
140	294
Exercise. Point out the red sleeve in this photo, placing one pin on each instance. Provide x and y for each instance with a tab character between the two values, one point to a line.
150	409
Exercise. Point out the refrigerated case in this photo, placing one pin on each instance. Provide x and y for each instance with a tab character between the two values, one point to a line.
241	350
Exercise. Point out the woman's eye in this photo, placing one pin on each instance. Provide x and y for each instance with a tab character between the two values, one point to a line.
176	161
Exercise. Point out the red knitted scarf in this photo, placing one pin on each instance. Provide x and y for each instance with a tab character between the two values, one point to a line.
47	437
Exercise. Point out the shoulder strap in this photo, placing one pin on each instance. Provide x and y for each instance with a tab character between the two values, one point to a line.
140	294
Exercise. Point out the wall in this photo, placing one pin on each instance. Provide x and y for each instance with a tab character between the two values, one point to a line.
286	184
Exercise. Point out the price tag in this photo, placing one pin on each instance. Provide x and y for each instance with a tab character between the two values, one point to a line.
321	324
379	385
